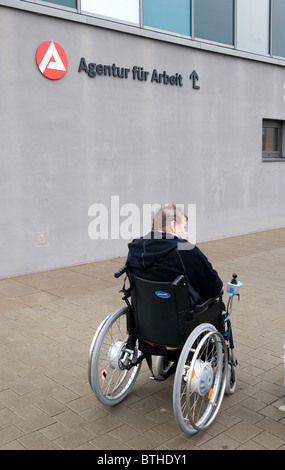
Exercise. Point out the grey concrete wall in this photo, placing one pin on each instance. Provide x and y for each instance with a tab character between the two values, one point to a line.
70	143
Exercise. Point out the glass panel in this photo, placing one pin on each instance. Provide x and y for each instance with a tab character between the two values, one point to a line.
65	3
253	26
214	20
278	29
270	139
125	10
170	15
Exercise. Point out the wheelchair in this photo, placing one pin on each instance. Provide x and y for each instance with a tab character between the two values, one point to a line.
196	345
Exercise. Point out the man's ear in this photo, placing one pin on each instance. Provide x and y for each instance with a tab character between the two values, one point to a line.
173	226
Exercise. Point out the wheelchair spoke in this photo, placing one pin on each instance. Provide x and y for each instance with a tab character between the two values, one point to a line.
113	383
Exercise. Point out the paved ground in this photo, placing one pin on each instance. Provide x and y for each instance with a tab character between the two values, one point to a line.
47	322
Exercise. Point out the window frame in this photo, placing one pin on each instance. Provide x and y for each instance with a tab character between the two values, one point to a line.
270	156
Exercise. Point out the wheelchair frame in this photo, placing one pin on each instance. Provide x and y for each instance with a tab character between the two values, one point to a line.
204	371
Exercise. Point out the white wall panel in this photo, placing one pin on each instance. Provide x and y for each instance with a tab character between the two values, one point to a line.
125	10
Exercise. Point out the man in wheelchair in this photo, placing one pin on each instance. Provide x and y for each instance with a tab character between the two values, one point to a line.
174	312
163	256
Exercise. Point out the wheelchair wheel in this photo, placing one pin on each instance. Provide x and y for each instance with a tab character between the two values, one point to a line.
200	379
109	377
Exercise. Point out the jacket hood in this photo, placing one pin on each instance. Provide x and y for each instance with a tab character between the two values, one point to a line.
144	252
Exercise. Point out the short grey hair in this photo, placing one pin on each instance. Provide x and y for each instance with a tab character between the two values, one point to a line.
165	215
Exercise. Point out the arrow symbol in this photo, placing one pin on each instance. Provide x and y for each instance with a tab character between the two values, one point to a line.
195	77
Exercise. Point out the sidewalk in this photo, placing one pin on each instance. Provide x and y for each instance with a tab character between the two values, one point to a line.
48	320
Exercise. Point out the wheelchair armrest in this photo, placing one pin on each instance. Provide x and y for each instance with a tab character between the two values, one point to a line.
178	280
207	303
121	271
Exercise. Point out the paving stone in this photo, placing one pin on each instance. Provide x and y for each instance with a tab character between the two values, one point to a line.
47	323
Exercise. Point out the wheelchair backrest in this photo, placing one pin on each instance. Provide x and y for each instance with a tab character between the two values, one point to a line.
159	311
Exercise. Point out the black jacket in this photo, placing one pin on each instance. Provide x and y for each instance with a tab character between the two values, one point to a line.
162	257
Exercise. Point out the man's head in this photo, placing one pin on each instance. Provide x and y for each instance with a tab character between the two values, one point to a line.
170	219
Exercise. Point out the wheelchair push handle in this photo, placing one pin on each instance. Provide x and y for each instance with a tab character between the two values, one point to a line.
121	271
178	280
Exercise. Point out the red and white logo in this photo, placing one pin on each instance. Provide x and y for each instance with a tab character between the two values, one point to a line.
51	60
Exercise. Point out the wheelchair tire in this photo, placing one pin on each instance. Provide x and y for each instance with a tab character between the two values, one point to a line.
200	379
231	380
109	379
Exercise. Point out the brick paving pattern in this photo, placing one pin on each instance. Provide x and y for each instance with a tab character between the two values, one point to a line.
47	322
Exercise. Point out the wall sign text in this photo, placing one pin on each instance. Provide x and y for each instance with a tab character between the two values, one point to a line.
136	73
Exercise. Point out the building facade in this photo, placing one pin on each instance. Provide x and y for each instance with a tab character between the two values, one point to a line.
109	108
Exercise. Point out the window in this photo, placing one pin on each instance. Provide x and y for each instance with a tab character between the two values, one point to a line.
278	30
65	3
125	10
272	136
214	20
253	26
169	15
